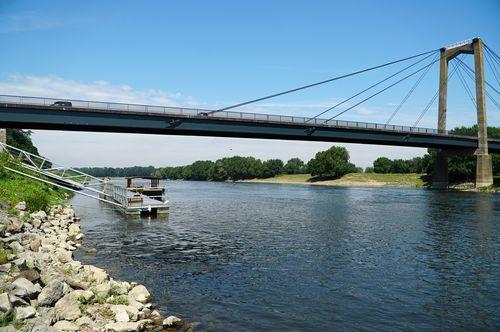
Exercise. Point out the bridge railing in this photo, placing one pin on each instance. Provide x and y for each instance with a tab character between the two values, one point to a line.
196	112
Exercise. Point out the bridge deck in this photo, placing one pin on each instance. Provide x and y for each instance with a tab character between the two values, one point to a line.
41	113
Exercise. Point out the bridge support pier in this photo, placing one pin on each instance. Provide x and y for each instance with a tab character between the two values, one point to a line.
440	175
484	170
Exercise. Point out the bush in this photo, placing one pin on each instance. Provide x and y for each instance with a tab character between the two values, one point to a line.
37	201
332	163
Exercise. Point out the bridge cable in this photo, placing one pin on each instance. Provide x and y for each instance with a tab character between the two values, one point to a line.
433	99
369	88
380	91
492	65
415	85
473	72
466	86
485	91
495	56
321	82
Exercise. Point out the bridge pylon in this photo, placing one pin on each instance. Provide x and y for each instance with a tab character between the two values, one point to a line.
484	170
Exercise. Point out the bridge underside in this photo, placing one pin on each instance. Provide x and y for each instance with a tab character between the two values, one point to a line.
14	116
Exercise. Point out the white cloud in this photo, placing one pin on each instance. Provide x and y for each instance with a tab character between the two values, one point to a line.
99	90
106	149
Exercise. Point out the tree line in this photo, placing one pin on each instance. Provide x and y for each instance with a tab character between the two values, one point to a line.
332	163
460	168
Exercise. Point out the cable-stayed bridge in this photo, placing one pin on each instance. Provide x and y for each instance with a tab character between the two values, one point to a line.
81	115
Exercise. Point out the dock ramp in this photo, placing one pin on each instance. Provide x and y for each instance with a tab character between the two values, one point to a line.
127	200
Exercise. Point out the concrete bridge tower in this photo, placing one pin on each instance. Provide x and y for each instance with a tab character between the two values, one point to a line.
484	171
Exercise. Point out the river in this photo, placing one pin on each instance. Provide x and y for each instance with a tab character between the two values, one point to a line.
248	256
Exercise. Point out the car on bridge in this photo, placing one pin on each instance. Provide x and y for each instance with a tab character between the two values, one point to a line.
63	104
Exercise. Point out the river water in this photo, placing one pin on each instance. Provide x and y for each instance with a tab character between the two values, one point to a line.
246	257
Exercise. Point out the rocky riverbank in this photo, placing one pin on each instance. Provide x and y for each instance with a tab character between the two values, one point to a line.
43	289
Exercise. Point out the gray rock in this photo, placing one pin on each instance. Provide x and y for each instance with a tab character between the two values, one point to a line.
103	289
64	256
36	223
135	304
22	287
41	327
17	301
172	321
67	308
5	267
39	215
5	302
51	293
64	325
123	327
74	230
35	245
30	274
85	321
140	294
99	275
8	329
16	247
21	206
132	313
15	226
121	316
25	312
83	294
46	315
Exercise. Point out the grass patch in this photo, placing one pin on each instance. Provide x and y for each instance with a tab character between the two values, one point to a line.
108	313
69	272
9	318
15	188
406	180
3	254
390	179
122	299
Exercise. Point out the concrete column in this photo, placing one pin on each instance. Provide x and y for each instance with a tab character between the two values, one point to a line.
443	91
3	137
484	170
440	175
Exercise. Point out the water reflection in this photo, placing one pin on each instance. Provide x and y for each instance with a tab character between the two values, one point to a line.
460	256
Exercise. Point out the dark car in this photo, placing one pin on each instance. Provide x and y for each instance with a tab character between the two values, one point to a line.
63	104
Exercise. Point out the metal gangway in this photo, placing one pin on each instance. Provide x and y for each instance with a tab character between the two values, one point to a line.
44	170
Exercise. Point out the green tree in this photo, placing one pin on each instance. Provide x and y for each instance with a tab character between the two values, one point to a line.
240	168
333	163
272	167
21	139
382	165
294	166
369	169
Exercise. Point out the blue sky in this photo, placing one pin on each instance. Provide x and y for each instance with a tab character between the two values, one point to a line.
212	54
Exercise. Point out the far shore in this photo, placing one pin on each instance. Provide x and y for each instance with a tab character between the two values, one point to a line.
350	180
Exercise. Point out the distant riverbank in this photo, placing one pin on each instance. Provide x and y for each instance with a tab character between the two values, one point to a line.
353	179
